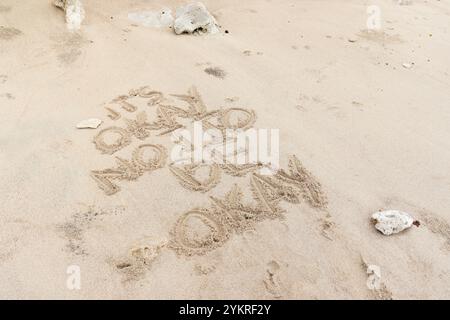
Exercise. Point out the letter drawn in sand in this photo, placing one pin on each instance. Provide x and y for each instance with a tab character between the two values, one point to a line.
125	170
113	115
155	97
267	195
103	179
292	187
122	101
197	232
238	216
237	118
201	230
310	188
119	143
130	170
228	120
158	161
197	109
240	170
139	128
186	175
166	120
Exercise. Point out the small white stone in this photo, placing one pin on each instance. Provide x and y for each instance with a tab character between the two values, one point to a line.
89	124
194	17
392	221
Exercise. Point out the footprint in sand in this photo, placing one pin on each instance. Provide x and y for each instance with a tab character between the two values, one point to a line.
379	37
272	281
438	226
204	268
8	33
139	259
68	47
327	227
249	53
306	103
7	95
4	9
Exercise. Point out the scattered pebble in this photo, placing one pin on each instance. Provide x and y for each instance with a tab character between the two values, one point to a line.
407	65
216	72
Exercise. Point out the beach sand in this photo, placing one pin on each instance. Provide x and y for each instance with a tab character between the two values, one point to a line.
366	115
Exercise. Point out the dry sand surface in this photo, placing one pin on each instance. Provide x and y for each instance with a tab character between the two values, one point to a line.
367	132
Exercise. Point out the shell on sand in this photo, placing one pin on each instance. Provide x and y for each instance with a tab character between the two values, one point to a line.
92	123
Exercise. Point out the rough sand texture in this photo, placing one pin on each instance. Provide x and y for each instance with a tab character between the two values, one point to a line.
359	132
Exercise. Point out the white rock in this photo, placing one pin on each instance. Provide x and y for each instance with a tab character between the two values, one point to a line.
194	17
374	278
392	221
74	12
89	124
155	19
